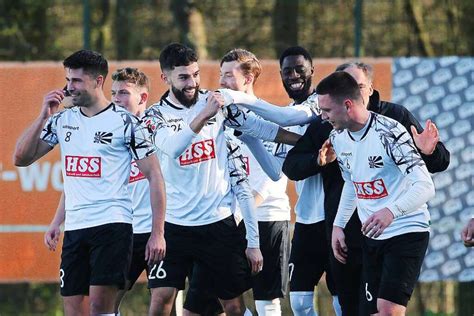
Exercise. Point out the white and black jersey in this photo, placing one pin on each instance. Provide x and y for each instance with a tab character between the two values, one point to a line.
139	189
96	153
382	165
195	165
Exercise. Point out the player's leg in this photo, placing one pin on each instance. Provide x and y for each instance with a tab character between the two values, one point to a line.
137	266
168	276
307	265
74	273
347	277
110	255
272	282
222	253
199	299
402	260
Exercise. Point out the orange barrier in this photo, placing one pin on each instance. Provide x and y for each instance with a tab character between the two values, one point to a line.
29	195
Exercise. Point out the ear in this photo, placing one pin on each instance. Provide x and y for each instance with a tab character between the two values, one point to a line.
371	89
99	81
249	79
143	97
165	79
348	104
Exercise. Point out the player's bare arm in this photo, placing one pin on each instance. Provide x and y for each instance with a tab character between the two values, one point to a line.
51	237
156	246
30	147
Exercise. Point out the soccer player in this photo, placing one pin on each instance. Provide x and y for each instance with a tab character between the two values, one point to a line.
188	126
387	179
300	163
239	71
98	141
130	90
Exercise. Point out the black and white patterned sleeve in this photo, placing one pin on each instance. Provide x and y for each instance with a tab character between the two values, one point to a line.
241	188
137	137
49	132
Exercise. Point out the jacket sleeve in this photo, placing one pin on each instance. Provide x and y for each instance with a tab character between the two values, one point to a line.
301	161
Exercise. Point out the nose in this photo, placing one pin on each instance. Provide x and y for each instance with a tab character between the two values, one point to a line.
294	74
324	116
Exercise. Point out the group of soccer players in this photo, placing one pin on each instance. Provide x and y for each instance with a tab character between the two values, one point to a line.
195	187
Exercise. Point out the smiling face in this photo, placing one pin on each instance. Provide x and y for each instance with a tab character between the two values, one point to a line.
296	74
184	82
82	86
334	112
232	76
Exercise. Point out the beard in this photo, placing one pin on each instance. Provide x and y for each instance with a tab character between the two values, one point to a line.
299	95
183	99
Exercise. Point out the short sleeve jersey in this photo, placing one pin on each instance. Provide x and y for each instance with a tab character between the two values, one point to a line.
96	153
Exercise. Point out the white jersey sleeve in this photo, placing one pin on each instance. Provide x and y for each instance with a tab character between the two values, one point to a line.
298	114
241	189
249	123
166	137
49	132
400	146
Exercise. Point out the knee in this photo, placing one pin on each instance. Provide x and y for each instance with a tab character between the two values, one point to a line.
234	307
161	302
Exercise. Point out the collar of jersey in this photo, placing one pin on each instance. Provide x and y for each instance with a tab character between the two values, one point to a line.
170	103
372	116
103	110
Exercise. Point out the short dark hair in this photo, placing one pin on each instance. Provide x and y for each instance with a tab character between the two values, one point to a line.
93	63
296	51
340	86
249	63
132	75
176	55
367	69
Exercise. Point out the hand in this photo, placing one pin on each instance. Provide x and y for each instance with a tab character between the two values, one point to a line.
467	234
215	102
51	102
255	259
155	250
338	244
426	141
377	222
51	237
326	154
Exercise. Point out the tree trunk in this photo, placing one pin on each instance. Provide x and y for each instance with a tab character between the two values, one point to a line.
285	24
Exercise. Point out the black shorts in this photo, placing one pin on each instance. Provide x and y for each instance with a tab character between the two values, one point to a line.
392	267
217	248
138	263
199	298
309	258
97	255
272	281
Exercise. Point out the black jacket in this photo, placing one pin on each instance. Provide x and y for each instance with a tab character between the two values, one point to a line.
300	162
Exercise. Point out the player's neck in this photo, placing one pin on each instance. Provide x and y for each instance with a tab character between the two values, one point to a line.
97	105
359	120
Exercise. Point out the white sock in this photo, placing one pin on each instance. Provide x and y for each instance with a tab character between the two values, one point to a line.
248	312
302	303
336	305
268	308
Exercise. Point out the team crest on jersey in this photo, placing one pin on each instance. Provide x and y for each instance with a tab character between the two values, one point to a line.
198	152
85	167
103	138
375	162
371	190
135	173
